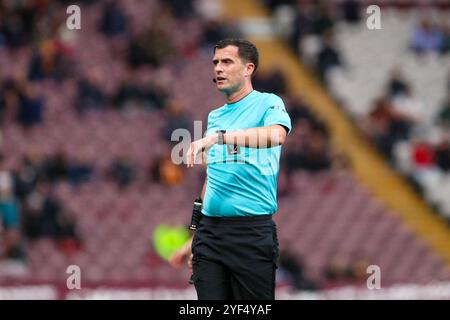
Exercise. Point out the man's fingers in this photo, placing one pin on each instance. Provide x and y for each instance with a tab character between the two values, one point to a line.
188	156
176	261
194	153
190	262
192	156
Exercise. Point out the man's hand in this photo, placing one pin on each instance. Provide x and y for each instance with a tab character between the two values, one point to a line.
197	147
182	256
190	262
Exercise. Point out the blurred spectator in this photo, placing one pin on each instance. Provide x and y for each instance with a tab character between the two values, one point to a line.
442	154
445	42
292	265
423	154
9	216
443	116
346	271
67	234
129	92
448	83
150	95
48	62
176	118
298	109
339	272
13	30
166	172
31	170
213	32
45	216
408	109
397	85
57	167
231	27
122	170
424	168
9	99
359	266
388	123
308	147
309	150
182	9
114	22
302	25
328	56
273	4
3	98
154	95
316	156
323	19
21	101
270	81
31	105
81	169
426	38
39	213
351	11
154	45
378	126
90	95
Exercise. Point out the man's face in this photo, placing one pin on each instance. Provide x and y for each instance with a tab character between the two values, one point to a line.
229	70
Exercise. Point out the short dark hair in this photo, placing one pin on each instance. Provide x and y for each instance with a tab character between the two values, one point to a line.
247	51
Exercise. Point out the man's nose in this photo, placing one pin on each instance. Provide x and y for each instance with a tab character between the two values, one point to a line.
218	69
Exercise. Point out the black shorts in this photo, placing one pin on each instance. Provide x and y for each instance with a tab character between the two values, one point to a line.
235	258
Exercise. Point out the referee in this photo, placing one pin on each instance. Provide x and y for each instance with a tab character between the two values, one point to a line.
235	247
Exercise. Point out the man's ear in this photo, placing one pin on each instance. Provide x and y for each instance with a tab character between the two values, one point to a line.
250	69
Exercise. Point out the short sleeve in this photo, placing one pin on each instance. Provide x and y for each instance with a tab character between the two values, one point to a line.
209	125
276	113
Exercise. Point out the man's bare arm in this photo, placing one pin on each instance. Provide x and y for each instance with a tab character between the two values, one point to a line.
202	195
260	137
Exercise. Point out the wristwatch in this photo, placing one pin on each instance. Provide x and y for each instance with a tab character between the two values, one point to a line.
221	138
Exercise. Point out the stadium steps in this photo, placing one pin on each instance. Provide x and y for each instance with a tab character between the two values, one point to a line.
368	165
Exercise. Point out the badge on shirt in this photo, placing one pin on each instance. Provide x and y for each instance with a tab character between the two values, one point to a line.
233	149
278	108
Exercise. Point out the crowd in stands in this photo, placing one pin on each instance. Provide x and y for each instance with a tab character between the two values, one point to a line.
29	207
398	114
311	29
431	37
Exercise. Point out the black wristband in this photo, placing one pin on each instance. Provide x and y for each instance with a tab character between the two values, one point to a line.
221	137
